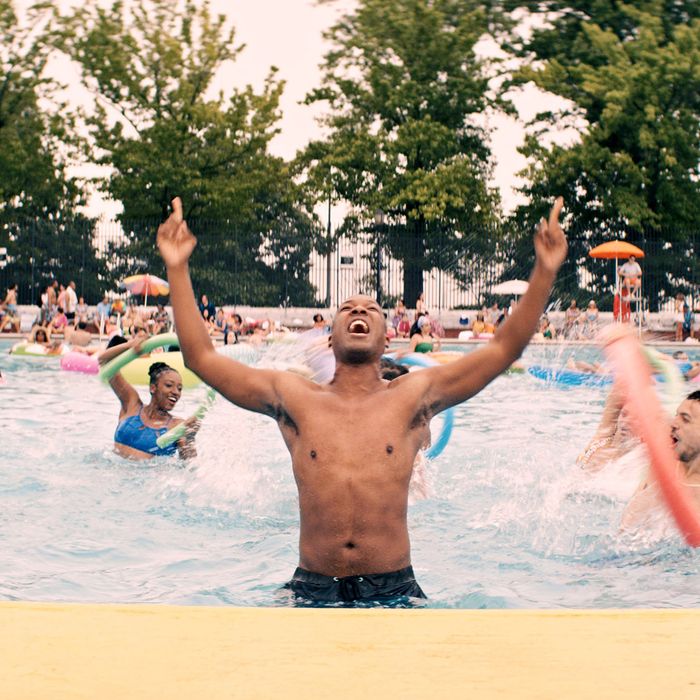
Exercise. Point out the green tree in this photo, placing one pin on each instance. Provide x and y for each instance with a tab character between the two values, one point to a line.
33	140
631	78
39	223
161	132
406	89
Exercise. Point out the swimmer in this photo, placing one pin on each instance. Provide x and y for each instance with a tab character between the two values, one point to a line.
41	335
685	436
586	367
613	438
353	441
423	340
140	426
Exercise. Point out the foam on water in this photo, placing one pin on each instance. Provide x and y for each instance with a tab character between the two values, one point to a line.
512	522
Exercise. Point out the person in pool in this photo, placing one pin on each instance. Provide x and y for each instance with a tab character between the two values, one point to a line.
140	426
354	440
423	340
685	436
614	438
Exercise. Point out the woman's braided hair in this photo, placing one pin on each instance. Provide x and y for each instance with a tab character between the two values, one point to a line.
156	369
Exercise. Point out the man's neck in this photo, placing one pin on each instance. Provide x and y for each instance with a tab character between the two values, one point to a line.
352	379
692	470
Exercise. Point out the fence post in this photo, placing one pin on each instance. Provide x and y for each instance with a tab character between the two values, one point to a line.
82	265
33	262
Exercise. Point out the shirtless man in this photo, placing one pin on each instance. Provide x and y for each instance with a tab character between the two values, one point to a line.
353	441
685	435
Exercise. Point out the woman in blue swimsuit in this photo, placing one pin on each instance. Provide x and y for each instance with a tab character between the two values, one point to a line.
140	426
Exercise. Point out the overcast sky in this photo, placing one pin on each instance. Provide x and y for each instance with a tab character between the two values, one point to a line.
288	35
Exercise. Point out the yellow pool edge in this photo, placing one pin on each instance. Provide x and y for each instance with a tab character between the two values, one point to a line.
157	651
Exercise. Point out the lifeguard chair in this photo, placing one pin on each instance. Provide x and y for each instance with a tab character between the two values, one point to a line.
622	299
622	306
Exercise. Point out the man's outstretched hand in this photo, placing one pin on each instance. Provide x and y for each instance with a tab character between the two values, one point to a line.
550	241
175	241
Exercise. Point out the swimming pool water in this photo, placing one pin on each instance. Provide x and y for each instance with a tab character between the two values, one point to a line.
512	522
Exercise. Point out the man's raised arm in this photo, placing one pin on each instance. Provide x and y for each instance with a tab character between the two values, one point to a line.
247	387
455	382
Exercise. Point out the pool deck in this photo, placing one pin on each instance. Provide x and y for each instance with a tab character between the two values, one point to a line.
62	651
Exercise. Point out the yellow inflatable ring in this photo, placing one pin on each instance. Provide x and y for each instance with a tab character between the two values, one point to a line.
136	372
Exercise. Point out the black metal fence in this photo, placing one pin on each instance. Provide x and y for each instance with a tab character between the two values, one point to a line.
286	266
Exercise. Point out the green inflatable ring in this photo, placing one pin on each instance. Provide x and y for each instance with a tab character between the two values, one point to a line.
134	368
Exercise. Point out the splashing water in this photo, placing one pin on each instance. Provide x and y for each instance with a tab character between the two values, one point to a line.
510	520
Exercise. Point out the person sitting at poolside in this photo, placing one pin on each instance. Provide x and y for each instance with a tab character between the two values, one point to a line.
631	275
234	327
217	325
571	321
104	311
206	308
161	320
82	311
353	441
687	329
59	322
590	319
547	331
479	325
9	306
140	426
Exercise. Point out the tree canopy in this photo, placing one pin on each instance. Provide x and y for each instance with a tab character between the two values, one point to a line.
36	129
631	78
406	91
156	125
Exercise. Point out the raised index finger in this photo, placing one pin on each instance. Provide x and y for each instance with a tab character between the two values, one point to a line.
177	209
554	213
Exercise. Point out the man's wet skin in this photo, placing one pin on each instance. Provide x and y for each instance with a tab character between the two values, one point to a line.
353	491
353	442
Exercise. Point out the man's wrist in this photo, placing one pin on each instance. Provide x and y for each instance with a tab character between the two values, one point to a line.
178	267
543	270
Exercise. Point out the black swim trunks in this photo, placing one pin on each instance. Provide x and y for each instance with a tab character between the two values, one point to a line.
393	588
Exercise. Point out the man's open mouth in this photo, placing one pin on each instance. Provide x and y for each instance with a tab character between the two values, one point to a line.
359	325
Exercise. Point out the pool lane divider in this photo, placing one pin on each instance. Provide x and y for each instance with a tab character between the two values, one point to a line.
650	423
63	652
